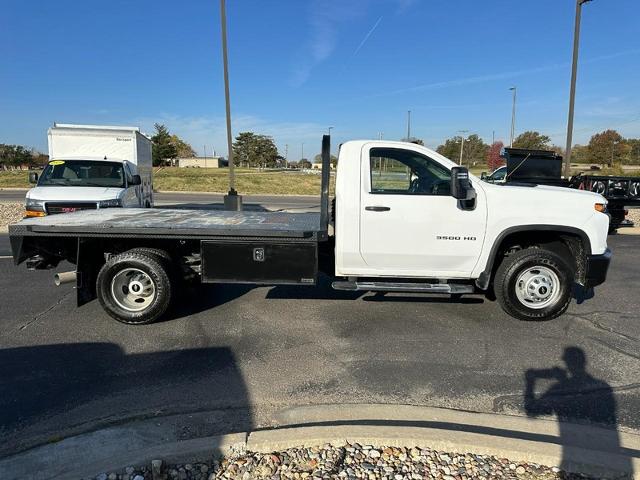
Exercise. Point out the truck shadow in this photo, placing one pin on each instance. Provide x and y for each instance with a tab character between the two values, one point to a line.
53	391
576	397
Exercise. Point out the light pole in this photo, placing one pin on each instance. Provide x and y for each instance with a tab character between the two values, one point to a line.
572	90
330	128
302	153
232	201
513	115
461	132
614	142
408	125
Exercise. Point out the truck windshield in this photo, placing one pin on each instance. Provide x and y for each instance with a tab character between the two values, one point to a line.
83	173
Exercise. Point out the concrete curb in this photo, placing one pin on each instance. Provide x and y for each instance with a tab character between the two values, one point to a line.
592	450
629	231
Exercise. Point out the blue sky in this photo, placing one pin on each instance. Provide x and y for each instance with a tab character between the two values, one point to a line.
299	66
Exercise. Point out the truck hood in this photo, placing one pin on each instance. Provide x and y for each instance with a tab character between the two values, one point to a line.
539	204
84	194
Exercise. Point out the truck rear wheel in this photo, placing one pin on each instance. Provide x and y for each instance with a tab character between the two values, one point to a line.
134	288
534	284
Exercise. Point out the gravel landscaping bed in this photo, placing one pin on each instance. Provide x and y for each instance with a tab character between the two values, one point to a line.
348	462
634	216
10	213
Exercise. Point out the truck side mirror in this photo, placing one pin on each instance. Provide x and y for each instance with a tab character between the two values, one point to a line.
483	175
460	185
135	180
33	177
461	188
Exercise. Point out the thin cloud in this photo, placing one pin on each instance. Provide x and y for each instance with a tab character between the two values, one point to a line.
503	75
366	37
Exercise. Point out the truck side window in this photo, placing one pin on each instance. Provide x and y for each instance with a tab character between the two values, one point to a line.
405	172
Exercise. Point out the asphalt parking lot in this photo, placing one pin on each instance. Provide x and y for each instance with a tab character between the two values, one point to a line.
240	354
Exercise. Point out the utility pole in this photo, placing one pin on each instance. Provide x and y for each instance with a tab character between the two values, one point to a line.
286	155
513	115
380	135
302	151
462	132
232	201
572	90
408	125
493	137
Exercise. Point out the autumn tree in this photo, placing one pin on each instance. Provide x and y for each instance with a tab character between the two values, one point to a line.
532	140
606	147
494	160
183	149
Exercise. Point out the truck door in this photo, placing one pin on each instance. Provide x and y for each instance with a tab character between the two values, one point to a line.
132	195
410	224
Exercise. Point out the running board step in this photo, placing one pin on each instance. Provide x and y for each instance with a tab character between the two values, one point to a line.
403	287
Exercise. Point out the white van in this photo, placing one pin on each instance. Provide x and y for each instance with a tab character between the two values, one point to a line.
92	167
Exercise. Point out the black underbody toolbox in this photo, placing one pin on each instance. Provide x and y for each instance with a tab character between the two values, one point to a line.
260	262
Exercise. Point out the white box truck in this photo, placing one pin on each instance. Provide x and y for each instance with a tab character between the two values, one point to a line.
92	167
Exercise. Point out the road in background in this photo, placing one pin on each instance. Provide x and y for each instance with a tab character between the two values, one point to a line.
238	354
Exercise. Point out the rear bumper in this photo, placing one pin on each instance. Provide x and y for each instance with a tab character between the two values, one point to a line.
597	267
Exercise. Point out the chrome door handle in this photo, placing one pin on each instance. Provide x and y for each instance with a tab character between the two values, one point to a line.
377	209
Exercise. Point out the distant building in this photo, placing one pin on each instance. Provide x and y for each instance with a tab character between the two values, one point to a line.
202	162
318	166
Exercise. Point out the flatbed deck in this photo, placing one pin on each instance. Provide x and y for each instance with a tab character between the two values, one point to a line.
172	223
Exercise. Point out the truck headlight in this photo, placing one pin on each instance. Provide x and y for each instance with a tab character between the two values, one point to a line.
34	208
114	202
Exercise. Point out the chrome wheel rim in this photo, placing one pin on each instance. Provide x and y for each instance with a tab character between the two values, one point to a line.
538	287
133	290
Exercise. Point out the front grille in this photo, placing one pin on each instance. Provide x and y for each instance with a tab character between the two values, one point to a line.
66	207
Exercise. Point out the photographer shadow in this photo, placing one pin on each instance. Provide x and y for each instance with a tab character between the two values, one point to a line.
575	398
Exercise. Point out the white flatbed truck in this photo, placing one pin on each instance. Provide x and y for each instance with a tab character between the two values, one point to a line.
404	219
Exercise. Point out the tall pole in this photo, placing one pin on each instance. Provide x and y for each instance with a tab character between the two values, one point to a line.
232	202
408	125
461	132
286	155
302	151
572	90
513	116
330	128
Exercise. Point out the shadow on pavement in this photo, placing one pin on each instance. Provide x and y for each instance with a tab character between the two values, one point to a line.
575	396
109	386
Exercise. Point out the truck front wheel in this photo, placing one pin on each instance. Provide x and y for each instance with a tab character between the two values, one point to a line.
134	288
534	284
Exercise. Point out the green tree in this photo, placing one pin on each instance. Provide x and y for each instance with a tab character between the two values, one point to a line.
162	148
16	156
183	149
474	151
304	163
532	140
580	154
606	147
633	155
252	150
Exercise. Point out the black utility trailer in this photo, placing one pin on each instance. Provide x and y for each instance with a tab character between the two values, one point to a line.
545	168
125	257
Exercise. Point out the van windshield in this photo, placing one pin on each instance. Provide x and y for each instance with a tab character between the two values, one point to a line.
83	173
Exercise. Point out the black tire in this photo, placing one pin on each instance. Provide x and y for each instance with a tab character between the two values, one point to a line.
517	264
160	254
152	270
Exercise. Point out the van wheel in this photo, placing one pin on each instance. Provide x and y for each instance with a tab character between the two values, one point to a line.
134	288
534	284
